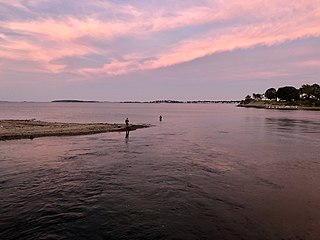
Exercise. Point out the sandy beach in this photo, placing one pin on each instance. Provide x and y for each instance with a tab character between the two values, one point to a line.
29	129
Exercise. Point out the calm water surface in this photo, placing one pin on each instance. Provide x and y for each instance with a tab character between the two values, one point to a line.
207	171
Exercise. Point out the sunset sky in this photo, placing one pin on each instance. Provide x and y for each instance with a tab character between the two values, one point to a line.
156	49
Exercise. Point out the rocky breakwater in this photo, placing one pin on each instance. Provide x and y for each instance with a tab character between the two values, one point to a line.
279	105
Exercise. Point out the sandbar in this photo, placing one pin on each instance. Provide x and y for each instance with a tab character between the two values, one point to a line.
29	129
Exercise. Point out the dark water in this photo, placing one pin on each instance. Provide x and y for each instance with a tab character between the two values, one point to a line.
205	172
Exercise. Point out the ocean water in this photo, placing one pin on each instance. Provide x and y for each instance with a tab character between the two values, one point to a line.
207	171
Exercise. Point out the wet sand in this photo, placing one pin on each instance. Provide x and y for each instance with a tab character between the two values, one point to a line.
29	129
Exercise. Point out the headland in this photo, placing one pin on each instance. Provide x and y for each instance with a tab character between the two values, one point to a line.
307	97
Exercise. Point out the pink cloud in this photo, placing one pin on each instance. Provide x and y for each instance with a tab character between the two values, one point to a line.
229	40
14	3
276	30
128	64
112	69
309	63
44	55
71	28
246	24
235	38
142	23
187	17
263	74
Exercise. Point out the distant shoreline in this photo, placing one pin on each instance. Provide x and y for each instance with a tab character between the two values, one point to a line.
155	101
188	102
74	101
29	129
149	102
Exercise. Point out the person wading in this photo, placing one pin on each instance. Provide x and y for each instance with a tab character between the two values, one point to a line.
127	127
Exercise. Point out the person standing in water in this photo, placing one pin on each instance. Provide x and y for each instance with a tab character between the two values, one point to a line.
160	118
127	127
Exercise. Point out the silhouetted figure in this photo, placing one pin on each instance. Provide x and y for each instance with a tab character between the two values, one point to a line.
127	127
160	118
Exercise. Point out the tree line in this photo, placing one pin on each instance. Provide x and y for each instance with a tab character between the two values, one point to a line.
308	95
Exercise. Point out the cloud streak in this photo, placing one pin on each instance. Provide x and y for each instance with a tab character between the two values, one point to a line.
221	26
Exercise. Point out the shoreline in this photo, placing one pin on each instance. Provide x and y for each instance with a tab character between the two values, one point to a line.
277	107
30	129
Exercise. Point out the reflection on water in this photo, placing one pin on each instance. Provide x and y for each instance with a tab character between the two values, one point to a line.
204	172
301	125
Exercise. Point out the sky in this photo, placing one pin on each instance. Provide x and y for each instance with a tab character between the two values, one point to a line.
144	50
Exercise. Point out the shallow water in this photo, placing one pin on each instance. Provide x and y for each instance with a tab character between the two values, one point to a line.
207	171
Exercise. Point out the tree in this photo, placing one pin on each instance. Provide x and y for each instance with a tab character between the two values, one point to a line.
248	99
310	91
306	91
271	93
288	94
257	96
316	91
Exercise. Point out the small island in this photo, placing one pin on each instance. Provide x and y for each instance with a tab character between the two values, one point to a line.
29	129
307	97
